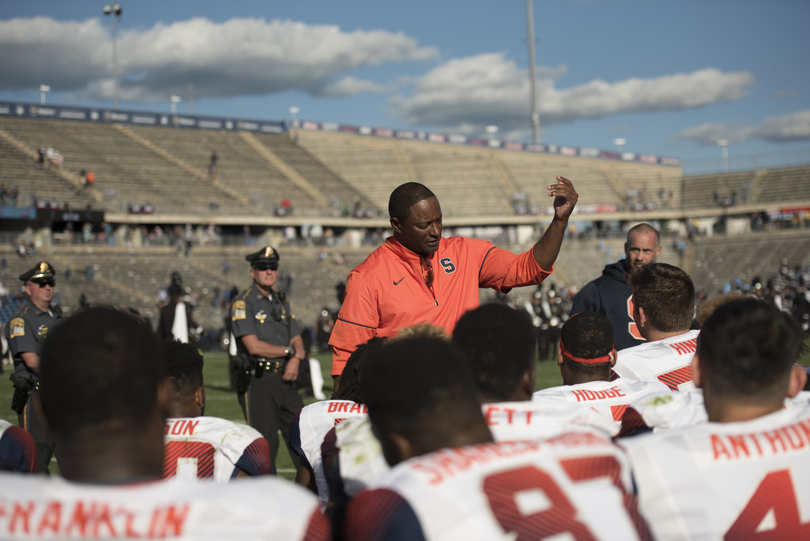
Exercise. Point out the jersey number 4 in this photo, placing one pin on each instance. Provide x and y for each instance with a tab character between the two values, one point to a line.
188	460
772	513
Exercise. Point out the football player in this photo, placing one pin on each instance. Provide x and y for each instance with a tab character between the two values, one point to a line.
199	447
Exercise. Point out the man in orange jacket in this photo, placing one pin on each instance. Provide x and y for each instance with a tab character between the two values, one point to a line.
417	276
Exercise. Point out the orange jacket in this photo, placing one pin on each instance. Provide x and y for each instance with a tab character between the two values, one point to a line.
386	292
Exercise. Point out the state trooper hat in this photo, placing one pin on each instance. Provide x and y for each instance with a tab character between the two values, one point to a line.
266	258
43	271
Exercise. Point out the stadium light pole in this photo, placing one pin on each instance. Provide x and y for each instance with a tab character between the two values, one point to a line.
43	89
620	142
723	143
293	111
175	99
532	74
492	131
114	11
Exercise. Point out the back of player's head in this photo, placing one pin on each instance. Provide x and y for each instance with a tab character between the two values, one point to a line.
585	337
100	368
349	388
499	343
644	229
421	389
746	351
666	294
183	368
404	197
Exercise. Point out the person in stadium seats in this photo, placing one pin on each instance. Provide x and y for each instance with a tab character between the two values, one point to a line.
664	305
103	395
498	343
611	296
449	480
586	355
199	447
314	422
27	330
176	320
269	343
18	452
418	276
744	474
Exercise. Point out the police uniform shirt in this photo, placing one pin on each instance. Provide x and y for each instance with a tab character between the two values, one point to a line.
27	331
252	313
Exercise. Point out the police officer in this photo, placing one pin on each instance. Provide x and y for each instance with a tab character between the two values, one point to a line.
269	342
26	332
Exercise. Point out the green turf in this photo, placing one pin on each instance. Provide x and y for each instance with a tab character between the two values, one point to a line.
221	401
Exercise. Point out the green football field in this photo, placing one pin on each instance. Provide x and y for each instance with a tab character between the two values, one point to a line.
221	401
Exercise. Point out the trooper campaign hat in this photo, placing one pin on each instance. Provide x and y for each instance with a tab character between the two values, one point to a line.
43	271
264	259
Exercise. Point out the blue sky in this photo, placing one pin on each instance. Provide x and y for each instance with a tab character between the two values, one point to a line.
670	77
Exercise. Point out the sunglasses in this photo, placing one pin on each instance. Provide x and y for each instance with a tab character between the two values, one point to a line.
266	266
44	283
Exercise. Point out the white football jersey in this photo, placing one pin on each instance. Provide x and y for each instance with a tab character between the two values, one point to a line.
361	459
212	448
574	486
264	508
669	410
747	480
310	429
529	420
668	361
609	398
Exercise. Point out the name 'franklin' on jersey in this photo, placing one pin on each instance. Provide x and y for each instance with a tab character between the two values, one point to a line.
745	480
264	508
213	448
576	484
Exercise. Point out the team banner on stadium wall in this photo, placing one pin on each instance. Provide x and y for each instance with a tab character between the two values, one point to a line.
562	150
134	117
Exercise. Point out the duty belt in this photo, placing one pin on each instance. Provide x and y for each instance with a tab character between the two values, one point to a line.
276	367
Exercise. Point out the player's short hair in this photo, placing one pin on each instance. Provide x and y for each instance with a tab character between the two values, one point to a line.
707	308
183	368
645	228
422	330
349	388
500	346
100	367
404	197
421	389
747	349
587	335
666	294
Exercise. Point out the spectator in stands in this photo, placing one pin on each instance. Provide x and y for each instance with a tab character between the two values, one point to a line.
610	296
3	195
394	287
41	152
664	305
13	194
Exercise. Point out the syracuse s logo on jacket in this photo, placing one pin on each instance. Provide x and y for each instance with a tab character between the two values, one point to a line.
447	263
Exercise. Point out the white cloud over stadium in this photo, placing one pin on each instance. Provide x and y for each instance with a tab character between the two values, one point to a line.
490	89
244	56
776	129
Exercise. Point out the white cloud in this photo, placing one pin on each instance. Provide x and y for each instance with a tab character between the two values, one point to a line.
489	89
777	129
245	56
349	86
